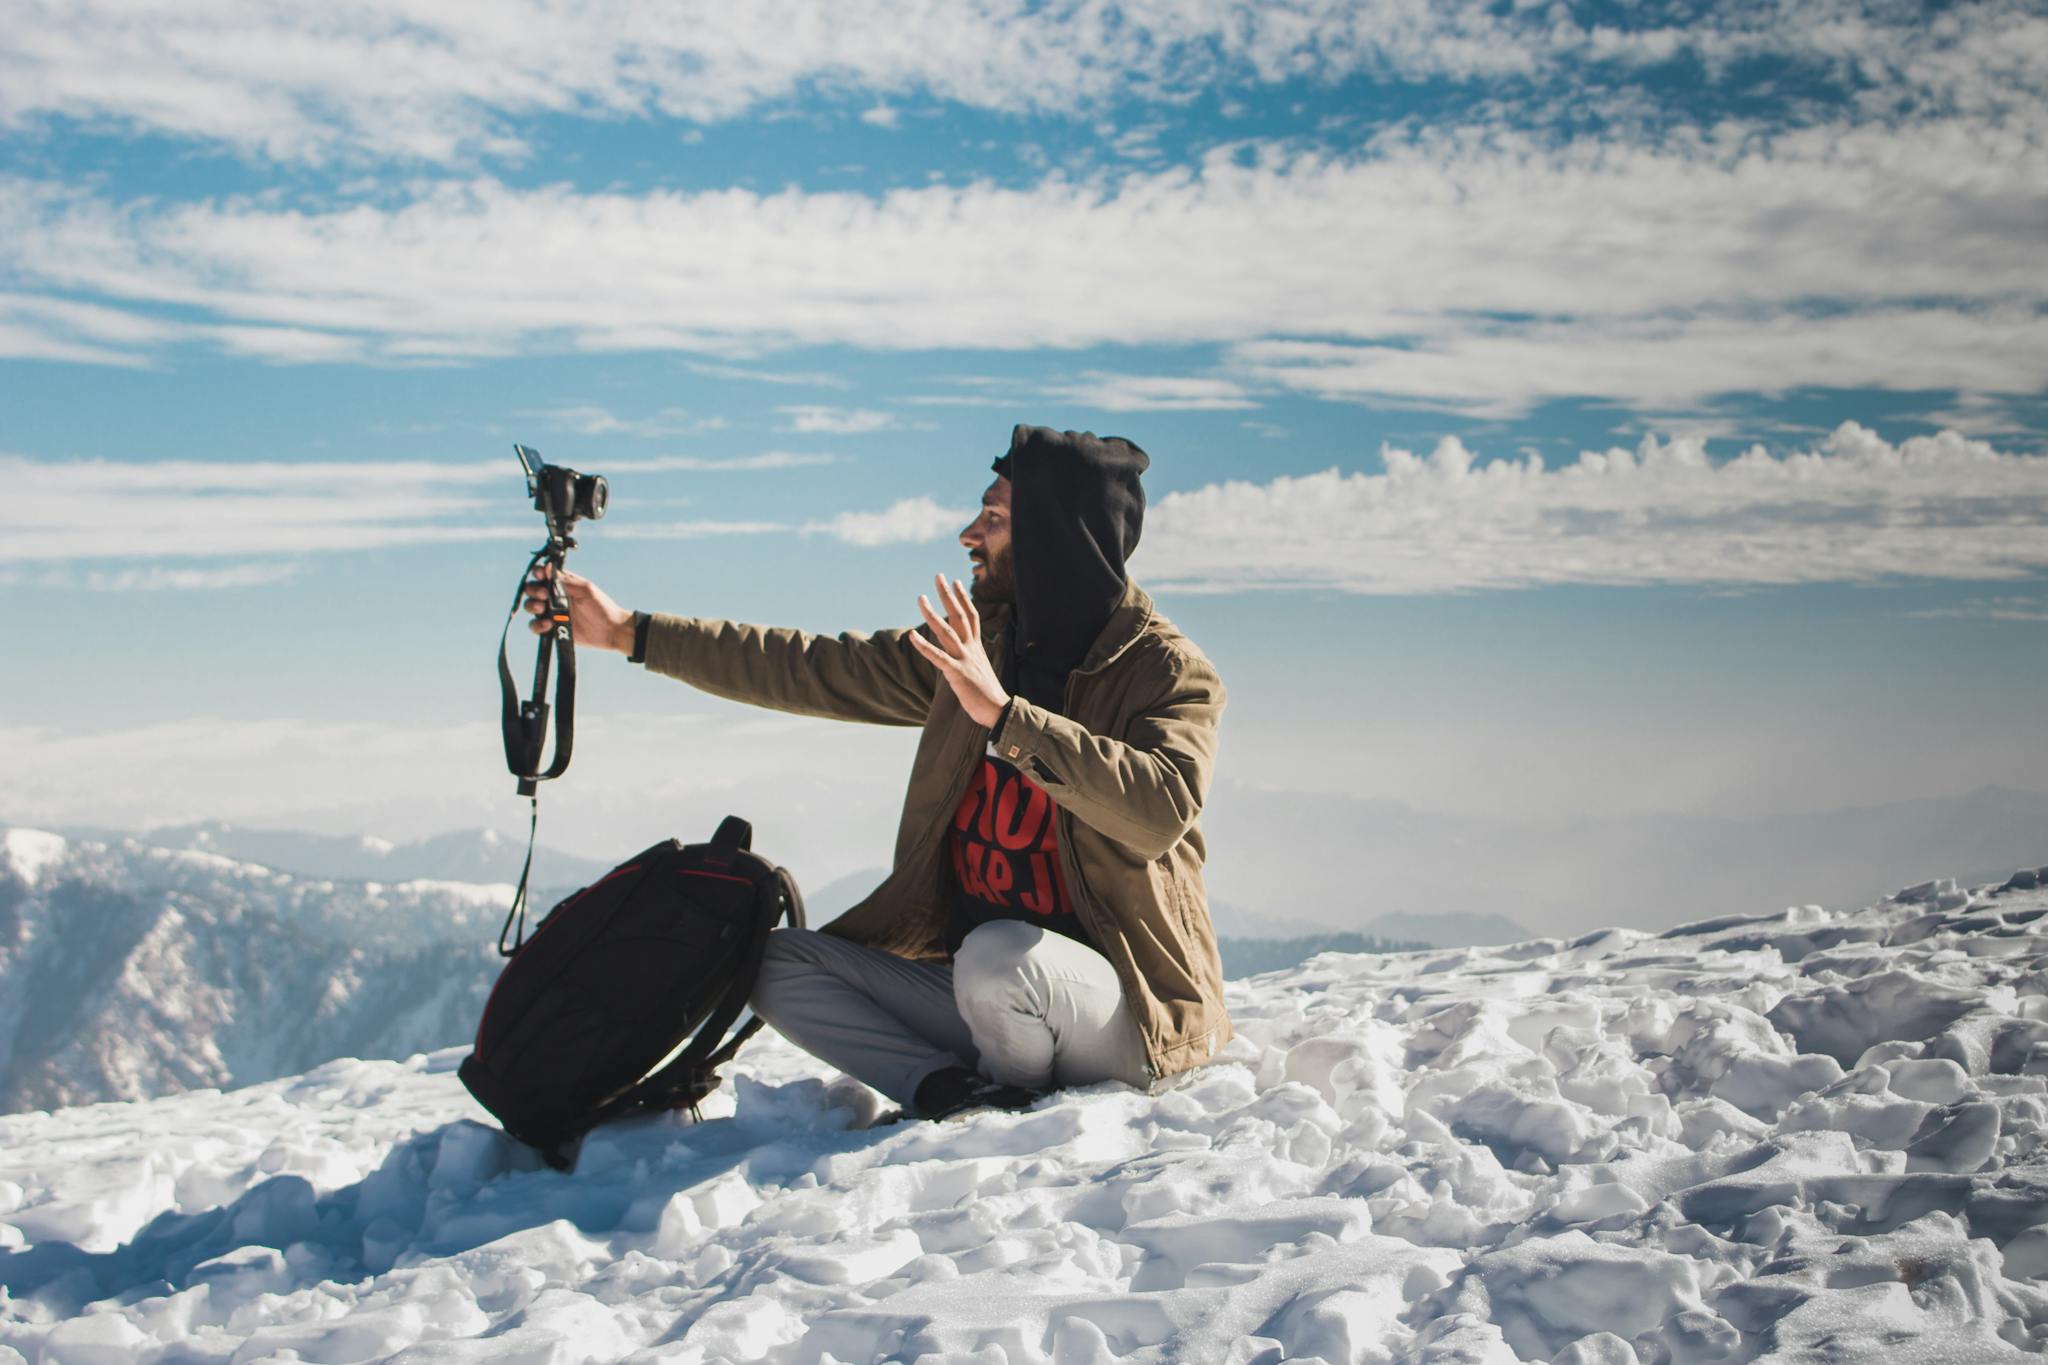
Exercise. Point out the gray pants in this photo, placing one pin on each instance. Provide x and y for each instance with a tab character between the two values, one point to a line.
1019	1004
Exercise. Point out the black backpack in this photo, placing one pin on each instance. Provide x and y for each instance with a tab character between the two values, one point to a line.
620	1001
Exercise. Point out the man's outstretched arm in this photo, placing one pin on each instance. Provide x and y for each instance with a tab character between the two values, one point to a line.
873	678
877	678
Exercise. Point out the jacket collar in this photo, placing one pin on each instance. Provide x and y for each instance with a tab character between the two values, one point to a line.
1122	630
1126	623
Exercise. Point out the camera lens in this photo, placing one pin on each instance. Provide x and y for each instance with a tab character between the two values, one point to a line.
591	495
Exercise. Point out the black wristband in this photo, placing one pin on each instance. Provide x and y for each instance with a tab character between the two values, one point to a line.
641	621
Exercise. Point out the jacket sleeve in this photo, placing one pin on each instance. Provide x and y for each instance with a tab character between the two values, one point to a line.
880	679
1146	790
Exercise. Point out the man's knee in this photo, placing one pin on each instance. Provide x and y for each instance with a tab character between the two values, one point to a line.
995	953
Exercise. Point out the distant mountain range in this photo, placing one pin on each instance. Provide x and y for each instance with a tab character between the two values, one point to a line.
128	970
1374	866
471	855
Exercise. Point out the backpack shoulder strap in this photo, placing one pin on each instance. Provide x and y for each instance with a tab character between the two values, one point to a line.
693	1073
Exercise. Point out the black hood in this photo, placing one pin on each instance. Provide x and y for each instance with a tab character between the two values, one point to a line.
1076	508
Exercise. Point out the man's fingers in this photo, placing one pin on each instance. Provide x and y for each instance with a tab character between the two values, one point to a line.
957	599
939	657
939	628
959	611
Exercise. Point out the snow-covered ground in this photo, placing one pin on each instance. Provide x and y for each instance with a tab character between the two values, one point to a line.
1810	1136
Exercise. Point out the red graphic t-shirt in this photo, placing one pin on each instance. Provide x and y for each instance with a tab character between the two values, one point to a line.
1006	856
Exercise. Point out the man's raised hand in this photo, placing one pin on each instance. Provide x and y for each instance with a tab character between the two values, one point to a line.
958	655
595	620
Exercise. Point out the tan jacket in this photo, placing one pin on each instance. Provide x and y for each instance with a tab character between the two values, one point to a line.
1128	766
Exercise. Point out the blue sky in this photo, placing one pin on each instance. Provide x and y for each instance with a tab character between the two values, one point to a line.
1571	409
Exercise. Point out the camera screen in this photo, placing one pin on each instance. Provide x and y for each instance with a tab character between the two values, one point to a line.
531	462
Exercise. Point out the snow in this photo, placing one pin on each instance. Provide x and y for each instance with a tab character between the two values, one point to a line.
1801	1137
30	851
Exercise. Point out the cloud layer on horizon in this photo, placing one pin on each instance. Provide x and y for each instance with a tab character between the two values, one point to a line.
1853	509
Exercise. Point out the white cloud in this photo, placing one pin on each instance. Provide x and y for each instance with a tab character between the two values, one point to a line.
692	530
811	418
1153	393
1857	256
289	345
26	342
1855	509
440	83
1140	143
768	459
882	116
1497	369
911	519
746	373
586	419
159	578
101	509
181	509
1980	414
33	328
155	578
1991	609
977	391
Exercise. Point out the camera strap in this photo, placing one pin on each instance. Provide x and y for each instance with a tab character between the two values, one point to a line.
525	722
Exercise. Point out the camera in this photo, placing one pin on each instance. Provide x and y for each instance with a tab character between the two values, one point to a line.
560	494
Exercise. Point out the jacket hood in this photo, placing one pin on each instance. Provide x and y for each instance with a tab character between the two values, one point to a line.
1076	510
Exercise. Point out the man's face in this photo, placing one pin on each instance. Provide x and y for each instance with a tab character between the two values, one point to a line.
987	539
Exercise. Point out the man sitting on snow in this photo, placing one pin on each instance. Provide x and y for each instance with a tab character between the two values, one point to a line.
1046	923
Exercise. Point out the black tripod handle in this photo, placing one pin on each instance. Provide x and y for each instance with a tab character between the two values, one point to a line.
525	723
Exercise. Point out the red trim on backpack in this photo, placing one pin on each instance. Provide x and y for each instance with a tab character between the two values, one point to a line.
722	876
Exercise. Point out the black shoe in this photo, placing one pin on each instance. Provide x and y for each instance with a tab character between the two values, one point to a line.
954	1090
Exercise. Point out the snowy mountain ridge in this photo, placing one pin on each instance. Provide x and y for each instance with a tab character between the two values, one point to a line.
475	856
1811	1136
128	970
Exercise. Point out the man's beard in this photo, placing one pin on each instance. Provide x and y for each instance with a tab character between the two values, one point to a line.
998	582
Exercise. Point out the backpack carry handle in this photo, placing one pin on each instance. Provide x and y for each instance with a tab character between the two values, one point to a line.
734	836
